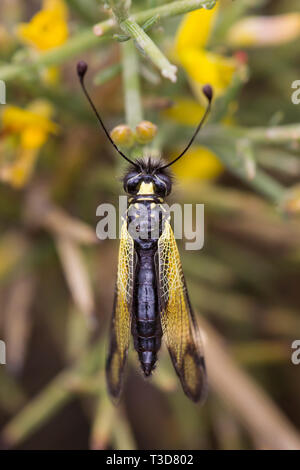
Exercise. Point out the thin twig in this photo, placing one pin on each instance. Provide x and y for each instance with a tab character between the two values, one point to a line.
88	38
131	85
51	399
41	212
77	276
149	48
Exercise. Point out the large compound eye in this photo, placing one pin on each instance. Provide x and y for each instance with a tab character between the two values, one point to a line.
162	184
132	182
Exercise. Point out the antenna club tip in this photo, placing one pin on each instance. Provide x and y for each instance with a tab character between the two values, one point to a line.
81	68
208	92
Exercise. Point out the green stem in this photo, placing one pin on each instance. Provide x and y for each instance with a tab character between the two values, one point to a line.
131	83
12	396
171	9
228	153
148	47
103	423
122	434
74	46
224	142
51	399
107	74
263	183
120	8
88	39
276	134
85	9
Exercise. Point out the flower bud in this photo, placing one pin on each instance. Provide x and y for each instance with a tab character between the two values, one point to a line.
145	132
122	135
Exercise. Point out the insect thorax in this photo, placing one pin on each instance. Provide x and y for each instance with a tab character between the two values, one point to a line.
146	217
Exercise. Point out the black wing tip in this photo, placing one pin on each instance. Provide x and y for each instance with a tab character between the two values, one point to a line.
114	396
114	391
197	394
199	397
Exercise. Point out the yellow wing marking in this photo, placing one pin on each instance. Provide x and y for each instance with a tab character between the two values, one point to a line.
178	322
121	318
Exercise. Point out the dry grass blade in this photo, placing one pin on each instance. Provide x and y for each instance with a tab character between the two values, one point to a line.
13	247
252	406
18	321
12	397
51	399
76	275
60	223
41	212
103	423
122	433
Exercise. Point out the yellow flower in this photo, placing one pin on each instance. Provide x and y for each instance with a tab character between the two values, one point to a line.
48	28
51	75
265	30
32	124
202	66
26	130
18	173
185	111
200	163
195	29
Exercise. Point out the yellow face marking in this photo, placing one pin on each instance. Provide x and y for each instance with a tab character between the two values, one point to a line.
146	188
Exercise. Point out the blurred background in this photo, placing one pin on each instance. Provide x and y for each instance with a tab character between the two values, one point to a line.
56	167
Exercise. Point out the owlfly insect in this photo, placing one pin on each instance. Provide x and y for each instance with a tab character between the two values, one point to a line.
151	299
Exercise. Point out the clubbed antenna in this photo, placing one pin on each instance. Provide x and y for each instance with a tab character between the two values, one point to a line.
208	92
81	71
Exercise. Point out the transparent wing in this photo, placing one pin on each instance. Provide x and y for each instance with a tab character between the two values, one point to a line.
179	325
121	317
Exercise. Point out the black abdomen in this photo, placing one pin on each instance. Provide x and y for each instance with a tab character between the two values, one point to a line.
146	327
